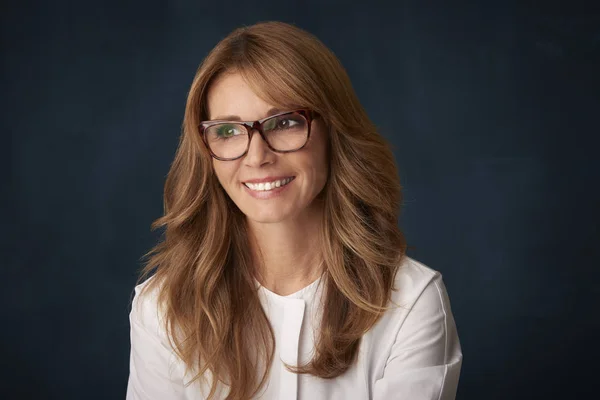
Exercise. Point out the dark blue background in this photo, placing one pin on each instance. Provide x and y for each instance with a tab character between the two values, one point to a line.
493	111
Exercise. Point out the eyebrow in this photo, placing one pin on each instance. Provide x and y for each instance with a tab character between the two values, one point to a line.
272	111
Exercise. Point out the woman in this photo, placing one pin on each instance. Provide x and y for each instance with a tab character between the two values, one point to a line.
282	273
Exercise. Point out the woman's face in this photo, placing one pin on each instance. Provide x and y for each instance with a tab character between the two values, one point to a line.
230	96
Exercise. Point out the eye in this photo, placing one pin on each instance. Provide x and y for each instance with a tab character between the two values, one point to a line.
287	123
227	130
281	123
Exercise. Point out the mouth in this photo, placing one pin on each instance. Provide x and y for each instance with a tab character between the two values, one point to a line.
267	186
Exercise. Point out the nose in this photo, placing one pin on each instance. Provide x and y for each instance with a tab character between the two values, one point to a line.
259	152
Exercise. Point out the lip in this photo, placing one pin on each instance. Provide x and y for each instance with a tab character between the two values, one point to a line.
267	194
268	179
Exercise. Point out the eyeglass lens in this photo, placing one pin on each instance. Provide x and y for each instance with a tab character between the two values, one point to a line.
286	132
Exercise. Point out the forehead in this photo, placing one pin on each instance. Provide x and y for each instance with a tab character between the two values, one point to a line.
231	95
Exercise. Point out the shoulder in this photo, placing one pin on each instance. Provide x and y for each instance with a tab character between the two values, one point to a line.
414	350
146	310
412	280
418	291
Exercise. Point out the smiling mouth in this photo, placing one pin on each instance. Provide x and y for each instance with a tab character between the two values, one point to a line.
266	186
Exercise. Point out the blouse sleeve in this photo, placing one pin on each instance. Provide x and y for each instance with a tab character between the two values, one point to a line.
426	357
151	367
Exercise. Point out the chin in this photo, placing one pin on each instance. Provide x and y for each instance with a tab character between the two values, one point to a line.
264	220
267	217
269	214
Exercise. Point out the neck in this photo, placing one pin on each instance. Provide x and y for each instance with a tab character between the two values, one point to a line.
287	253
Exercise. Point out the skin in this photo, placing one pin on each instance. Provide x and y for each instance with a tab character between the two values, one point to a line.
284	229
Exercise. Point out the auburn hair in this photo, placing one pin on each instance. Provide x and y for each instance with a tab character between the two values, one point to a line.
202	266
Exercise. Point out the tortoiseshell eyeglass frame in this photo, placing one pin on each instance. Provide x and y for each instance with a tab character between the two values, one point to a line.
252	126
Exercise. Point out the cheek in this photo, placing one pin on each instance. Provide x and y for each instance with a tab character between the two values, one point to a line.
224	172
319	164
323	163
321	158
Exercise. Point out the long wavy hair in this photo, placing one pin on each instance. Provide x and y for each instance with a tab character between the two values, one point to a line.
202	266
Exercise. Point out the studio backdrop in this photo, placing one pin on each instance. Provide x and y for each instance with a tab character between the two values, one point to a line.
492	111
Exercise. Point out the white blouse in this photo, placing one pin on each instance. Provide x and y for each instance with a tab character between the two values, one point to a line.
412	353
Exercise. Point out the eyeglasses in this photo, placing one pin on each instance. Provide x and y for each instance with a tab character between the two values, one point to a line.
284	133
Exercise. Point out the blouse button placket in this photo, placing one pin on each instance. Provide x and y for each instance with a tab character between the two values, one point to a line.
293	316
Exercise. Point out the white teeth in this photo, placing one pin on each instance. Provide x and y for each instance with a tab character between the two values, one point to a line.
269	185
